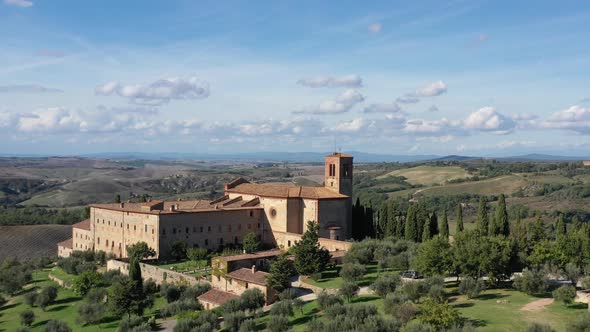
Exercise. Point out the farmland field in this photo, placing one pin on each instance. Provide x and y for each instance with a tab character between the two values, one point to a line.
30	241
429	175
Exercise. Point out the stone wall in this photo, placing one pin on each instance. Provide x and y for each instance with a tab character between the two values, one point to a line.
286	240
159	275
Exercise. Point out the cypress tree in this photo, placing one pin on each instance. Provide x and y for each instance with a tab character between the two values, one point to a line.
369	222
383	219
459	227
390	229
501	224
401	225
410	227
434	230
444	225
482	216
426	235
422	218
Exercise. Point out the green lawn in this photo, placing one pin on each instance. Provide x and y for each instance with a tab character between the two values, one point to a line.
65	308
331	278
186	266
63	275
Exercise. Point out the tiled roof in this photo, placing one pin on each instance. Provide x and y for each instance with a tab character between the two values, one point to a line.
283	191
256	255
84	224
216	296
66	244
256	277
159	207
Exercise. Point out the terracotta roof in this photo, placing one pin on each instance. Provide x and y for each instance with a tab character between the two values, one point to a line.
66	244
339	154
84	224
159	207
284	191
256	255
216	296
257	277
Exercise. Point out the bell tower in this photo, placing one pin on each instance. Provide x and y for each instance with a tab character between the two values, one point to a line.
338	173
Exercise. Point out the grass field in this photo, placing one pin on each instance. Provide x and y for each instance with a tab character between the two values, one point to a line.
65	309
429	175
331	278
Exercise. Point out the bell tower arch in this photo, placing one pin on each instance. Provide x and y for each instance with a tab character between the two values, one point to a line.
338	173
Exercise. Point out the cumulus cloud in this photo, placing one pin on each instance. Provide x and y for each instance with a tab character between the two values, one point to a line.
488	119
54	119
158	92
375	27
433	108
432	89
19	3
383	108
347	81
407	99
341	104
27	88
575	118
351	126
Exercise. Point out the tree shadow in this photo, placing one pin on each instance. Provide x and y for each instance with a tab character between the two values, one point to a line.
578	305
40	323
464	305
362	299
491	296
9	306
477	322
67	300
57	308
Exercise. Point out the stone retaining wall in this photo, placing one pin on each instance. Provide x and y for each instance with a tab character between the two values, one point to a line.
159	275
61	283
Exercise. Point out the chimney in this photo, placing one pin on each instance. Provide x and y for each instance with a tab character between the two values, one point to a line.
253	268
172	207
122	205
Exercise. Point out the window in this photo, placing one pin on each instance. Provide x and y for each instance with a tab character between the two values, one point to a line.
152	231
98	240
206	242
246	285
127	226
273	212
259	225
109	223
107	243
236	240
209	229
332	171
346	170
251	213
194	229
220	241
249	226
134	227
289	243
201	229
163	231
173	230
145	228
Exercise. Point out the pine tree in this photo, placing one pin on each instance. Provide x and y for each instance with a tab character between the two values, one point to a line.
310	257
501	224
459	227
482	216
560	227
444	225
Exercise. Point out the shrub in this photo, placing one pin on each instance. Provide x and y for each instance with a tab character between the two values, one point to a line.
532	282
30	298
89	313
192	292
471	287
96	295
233	305
417	326
282	308
170	292
585	282
249	325
180	306
537	327
46	296
178	250
413	289
27	317
86	281
565	294
109	276
439	315
348	290
277	323
579	324
196	254
232	321
252	299
250	243
55	325
134	324
385	284
150	286
352	271
326	300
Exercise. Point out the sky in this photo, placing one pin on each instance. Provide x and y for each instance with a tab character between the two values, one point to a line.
486	78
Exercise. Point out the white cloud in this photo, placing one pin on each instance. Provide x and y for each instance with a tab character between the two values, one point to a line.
158	92
488	119
432	89
375	27
54	119
19	3
407	99
575	118
352	126
383	108
27	88
341	104
347	81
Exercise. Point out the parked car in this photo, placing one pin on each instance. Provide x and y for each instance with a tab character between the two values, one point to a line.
410	274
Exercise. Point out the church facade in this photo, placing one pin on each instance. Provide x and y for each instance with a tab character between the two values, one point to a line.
277	213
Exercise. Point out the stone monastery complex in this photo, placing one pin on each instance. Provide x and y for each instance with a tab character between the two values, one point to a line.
277	213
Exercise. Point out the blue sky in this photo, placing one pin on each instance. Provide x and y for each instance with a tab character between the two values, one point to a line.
421	77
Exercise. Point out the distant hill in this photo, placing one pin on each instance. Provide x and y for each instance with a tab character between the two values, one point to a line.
542	157
455	158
